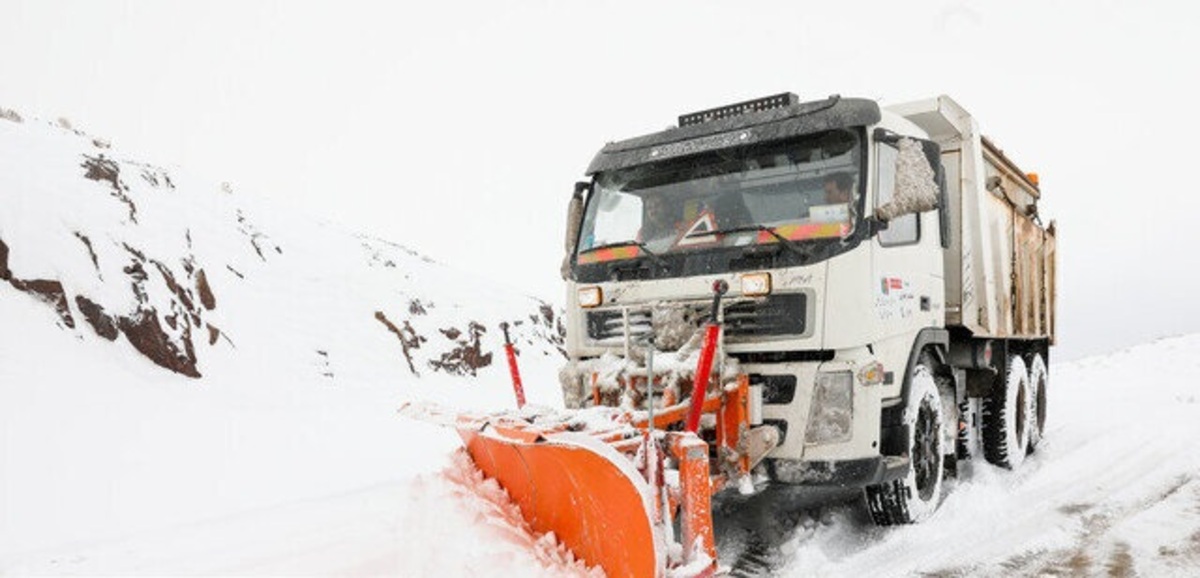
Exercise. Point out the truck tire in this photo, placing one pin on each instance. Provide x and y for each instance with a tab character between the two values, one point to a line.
1006	418
1038	376
915	496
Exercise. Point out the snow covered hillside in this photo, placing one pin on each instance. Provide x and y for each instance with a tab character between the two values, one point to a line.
171	350
194	276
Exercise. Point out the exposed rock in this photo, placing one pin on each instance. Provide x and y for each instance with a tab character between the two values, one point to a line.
547	313
415	307
451	333
468	356
148	337
107	170
257	238
213	334
323	363
137	273
5	274
49	291
104	325
180	294
11	115
141	257
409	340
207	299
91	252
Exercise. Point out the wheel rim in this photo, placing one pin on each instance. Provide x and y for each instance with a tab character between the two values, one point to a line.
926	452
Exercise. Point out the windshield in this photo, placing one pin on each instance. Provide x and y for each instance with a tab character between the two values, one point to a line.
802	191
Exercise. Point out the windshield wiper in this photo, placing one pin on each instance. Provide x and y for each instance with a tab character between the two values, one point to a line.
784	241
629	243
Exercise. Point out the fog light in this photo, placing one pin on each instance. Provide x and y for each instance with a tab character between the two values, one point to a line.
871	374
831	415
590	297
754	284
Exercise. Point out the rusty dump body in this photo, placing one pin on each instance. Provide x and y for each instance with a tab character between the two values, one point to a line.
1000	258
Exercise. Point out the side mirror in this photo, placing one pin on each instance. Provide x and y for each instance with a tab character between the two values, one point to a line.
916	186
574	215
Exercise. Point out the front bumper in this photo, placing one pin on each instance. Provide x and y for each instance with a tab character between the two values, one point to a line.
857	473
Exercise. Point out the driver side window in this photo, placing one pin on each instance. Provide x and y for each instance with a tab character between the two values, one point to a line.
901	230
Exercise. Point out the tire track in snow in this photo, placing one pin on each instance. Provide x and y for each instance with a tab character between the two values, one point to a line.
1113	490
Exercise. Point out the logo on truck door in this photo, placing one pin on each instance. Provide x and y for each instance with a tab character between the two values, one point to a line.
895	299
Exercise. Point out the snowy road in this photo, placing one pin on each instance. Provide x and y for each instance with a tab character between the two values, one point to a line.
1113	490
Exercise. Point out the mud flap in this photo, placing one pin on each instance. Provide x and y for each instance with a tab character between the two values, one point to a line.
579	488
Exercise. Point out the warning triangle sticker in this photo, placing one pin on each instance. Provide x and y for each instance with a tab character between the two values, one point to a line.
700	232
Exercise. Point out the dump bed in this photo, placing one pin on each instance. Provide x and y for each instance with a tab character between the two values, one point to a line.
1000	265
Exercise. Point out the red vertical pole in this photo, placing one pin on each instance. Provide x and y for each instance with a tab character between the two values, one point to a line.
703	373
513	371
712	332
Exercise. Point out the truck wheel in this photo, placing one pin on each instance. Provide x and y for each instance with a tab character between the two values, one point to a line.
1006	418
1038	376
915	496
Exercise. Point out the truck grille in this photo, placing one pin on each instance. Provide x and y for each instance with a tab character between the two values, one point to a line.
782	314
608	326
776	315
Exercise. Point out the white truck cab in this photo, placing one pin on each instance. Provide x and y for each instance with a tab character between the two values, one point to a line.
892	287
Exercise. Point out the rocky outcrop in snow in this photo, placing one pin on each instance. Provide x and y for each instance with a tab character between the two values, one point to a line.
190	274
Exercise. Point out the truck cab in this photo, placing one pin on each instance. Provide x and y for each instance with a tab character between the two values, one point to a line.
841	235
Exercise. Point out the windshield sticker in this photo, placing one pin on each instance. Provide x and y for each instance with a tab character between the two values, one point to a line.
609	254
700	232
802	231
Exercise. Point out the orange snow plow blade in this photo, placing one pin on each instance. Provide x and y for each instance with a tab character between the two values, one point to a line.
615	486
580	489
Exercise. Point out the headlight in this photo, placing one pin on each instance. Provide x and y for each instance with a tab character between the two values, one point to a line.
831	415
590	297
754	284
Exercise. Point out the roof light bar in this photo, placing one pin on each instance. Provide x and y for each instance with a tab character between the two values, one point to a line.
757	105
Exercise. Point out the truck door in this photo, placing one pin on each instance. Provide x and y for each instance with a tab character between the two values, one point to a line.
906	265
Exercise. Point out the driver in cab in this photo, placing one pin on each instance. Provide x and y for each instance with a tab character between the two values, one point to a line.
838	191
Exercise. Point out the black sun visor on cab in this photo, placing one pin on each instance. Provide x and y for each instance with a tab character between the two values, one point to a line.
755	127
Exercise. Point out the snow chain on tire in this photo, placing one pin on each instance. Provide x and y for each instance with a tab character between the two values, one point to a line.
1006	418
908	499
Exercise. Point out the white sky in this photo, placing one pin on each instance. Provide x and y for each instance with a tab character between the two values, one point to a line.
458	128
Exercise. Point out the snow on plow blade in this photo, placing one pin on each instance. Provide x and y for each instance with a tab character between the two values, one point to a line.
613	485
580	489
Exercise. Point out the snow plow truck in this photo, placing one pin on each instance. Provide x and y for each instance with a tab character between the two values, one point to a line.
823	293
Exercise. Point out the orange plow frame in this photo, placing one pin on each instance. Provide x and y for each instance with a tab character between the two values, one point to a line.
601	489
602	486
